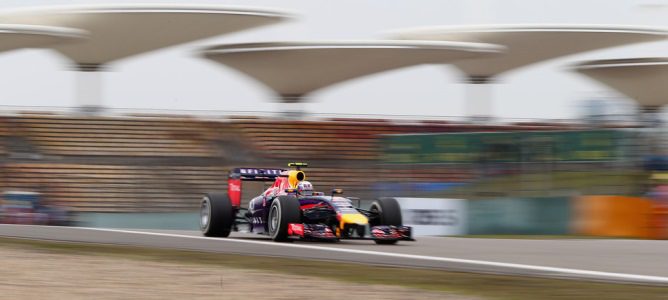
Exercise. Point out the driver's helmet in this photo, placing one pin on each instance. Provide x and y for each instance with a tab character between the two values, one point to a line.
305	188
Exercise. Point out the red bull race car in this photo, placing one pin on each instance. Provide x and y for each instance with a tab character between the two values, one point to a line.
290	209
23	207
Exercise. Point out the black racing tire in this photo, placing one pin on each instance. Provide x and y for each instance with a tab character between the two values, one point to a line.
388	210
216	215
389	213
283	210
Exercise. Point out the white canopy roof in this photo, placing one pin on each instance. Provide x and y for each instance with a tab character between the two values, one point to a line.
642	79
119	31
528	44
293	69
29	36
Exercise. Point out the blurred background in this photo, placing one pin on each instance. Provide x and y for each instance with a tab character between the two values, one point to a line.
552	125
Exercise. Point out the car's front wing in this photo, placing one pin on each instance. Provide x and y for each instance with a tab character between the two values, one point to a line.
324	232
390	232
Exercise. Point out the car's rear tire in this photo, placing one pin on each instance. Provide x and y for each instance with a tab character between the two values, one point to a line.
216	215
389	213
283	210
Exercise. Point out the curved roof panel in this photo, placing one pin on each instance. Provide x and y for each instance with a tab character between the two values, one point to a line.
14	36
293	69
528	44
642	79
120	31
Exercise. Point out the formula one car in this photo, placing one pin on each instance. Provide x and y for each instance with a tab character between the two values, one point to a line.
290	209
22	207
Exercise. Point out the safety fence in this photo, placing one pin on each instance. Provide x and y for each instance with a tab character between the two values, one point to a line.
601	216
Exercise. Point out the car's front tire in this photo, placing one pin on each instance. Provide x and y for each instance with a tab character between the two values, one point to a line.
283	210
216	215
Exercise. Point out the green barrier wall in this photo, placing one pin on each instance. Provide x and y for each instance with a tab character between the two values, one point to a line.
545	215
528	146
174	221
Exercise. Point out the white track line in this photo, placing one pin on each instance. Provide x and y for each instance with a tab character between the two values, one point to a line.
564	271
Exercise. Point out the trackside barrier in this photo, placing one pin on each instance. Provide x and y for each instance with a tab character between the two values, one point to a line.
659	221
539	215
616	216
434	216
172	221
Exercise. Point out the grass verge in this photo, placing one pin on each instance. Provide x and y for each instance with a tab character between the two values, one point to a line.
484	285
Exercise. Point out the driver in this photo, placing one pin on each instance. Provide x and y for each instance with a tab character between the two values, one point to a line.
305	188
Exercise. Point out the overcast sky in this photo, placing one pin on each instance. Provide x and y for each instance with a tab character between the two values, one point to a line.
175	78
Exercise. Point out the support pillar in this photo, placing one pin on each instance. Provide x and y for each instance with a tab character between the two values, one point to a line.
479	98
89	88
292	107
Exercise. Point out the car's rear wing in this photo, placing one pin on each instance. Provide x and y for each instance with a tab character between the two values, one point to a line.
237	175
255	174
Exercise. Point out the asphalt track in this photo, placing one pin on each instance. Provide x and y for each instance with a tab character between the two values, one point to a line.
617	260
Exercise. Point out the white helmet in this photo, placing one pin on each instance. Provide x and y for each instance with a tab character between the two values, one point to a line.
305	188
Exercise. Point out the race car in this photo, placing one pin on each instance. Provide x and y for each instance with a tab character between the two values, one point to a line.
23	207
290	209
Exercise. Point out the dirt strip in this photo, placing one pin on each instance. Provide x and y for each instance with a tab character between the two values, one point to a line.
35	274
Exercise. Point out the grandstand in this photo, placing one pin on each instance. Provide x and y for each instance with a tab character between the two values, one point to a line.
116	188
161	164
86	136
345	139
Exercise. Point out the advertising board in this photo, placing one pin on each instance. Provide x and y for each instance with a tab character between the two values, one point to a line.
434	216
504	147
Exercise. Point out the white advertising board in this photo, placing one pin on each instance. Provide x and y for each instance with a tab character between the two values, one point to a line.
434	216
